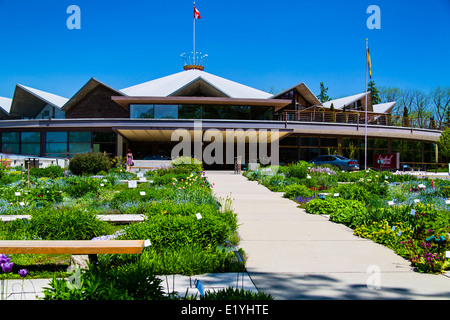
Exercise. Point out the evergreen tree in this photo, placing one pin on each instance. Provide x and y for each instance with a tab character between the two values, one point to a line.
374	92
323	96
405	117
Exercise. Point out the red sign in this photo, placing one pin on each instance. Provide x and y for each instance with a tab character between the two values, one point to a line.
387	161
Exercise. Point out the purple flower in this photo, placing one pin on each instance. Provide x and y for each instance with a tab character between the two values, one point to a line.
4	258
7	267
23	272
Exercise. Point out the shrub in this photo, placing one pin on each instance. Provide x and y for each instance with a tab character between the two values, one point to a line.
353	192
67	224
89	163
186	260
298	170
340	210
183	228
101	282
190	164
296	190
77	187
52	172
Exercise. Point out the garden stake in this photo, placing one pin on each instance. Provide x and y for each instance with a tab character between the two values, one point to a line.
28	173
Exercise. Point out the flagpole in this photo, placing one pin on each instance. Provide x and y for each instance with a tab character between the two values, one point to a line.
193	53
365	135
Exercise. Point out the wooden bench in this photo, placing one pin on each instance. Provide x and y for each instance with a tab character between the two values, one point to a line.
73	247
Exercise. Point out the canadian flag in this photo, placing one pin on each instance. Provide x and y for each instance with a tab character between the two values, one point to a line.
196	14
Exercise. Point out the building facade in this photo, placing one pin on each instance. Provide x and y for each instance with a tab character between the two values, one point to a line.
99	118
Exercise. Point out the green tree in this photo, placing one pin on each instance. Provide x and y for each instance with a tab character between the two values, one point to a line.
444	143
405	117
323	96
374	92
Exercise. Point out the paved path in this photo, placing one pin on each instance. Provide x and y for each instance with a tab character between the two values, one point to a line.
294	255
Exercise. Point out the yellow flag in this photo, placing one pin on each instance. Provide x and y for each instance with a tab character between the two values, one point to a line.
369	63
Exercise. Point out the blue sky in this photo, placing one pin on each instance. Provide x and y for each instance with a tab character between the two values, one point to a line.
263	44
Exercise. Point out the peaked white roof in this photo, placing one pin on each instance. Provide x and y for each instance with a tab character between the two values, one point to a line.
5	104
169	85
383	107
50	98
341	102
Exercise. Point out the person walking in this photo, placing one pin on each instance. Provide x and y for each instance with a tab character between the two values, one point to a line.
129	160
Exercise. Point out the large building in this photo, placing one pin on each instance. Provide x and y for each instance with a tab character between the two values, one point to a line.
142	118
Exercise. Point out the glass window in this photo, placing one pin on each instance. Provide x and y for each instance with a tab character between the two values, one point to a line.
166	111
289	141
10	142
10	137
262	113
189	112
308	153
214	112
104	147
10	148
141	111
288	155
307	141
79	147
104	136
32	149
328	142
56	136
82	136
57	147
238	112
31	137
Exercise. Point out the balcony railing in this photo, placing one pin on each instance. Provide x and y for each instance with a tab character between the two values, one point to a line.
359	118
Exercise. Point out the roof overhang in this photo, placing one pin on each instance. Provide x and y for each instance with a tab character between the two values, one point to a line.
303	89
276	103
26	103
170	135
84	91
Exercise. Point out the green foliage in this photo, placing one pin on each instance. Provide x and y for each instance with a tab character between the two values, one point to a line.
444	143
168	231
62	223
374	92
297	170
231	293
323	96
340	210
52	172
296	190
186	163
77	187
89	163
101	282
353	192
187	260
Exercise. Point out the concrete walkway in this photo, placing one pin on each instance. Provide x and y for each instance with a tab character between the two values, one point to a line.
294	255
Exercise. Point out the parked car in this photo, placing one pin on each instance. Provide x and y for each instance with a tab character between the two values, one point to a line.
338	161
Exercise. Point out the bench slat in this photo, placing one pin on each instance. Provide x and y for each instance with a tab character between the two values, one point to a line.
71	246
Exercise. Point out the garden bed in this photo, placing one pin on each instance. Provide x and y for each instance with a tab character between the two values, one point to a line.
190	231
409	214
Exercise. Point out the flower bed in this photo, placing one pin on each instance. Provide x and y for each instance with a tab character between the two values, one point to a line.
190	231
409	214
